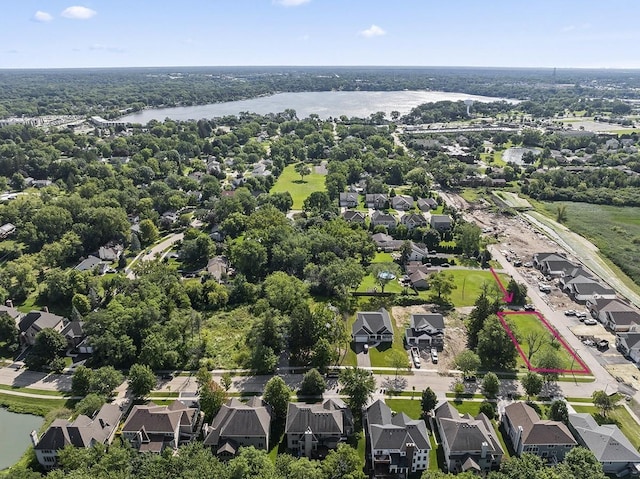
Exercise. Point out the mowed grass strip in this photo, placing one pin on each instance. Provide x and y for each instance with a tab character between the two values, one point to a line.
299	189
524	325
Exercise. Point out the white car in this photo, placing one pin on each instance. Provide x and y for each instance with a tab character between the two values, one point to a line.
434	356
590	322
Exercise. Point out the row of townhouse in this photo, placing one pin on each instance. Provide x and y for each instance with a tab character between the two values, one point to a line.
378	201
471	443
409	220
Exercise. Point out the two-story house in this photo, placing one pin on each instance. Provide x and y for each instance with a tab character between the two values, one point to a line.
239	424
378	218
413	220
152	428
82	432
468	443
441	222
376	201
35	321
348	199
547	439
397	444
402	202
314	429
426	330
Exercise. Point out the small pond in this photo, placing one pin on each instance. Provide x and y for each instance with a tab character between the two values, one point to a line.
14	435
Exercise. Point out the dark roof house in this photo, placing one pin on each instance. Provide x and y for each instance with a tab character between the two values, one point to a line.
372	327
426	330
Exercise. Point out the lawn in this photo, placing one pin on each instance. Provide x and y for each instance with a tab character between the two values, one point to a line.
224	336
469	284
615	230
381	356
290	181
369	283
36	406
523	325
42	392
410	407
619	416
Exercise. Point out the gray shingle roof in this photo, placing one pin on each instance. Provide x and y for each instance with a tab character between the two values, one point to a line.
158	419
372	322
236	419
325	418
394	432
40	320
536	431
606	442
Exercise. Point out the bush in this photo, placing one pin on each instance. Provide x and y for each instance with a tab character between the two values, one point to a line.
488	409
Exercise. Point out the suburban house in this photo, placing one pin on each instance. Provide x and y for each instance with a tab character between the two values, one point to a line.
402	202
239	424
621	321
584	288
613	313
376	200
468	443
88	264
397	443
218	268
153	428
417	252
35	321
12	312
540	258
313	429
574	273
427	204
629	344
348	199
82	432
413	220
412	266
378	218
607	442
547	439
386	242
419	279
426	330
372	327
441	222
7	230
352	216
110	253
553	264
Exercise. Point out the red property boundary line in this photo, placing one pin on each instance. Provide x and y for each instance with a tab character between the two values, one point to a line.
502	317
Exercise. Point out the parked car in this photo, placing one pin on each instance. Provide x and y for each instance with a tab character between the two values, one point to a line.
545	288
517	263
590	322
471	379
445	265
570	312
415	356
366	348
529	307
581	315
434	356
528	264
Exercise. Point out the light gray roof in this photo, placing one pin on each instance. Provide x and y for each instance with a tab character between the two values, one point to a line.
158	419
394	432
422	322
466	433
604	305
607	442
631	340
12	312
325	418
88	264
372	322
238	419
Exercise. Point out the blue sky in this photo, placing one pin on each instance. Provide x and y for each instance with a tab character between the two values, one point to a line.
516	33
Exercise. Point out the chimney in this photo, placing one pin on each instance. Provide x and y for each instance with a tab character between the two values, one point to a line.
45	309
34	438
9	303
485	449
308	442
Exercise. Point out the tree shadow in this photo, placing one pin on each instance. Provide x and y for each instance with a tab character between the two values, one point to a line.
299	182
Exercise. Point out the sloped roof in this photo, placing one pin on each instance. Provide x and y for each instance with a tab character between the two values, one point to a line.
323	418
88	264
604	305
158	419
465	433
12	312
236	418
394	432
351	215
607	442
631	340
536	431
372	322
623	318
422	322
39	320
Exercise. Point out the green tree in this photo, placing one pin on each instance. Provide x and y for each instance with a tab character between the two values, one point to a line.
105	380
442	284
90	404
251	463
142	380
467	361
428	401
9	333
534	340
277	395
313	384
82	380
518	292
548	363
532	384
604	402
488	409
226	380
468	238
475	322
490	385
81	304
303	170
580	463
148	232
561	214
384	273
324	355
343	463
398	360
558	411
48	345
495	349
284	292
249	257
212	395
317	203
359	385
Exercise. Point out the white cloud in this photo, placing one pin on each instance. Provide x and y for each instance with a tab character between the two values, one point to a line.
373	31
290	3
42	17
78	13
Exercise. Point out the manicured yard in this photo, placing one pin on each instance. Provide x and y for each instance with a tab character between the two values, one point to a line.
619	416
410	407
290	181
37	406
469	284
381	356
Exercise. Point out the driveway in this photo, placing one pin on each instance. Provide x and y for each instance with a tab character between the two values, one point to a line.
364	361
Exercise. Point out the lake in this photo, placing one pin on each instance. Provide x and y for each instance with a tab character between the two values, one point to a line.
14	435
325	104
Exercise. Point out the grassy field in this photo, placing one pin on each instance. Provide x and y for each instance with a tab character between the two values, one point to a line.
36	406
615	230
42	392
469	283
290	181
224	336
524	324
619	416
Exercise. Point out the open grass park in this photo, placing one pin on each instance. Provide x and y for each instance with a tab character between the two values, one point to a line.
300	189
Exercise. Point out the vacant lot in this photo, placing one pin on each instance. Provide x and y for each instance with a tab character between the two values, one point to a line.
290	181
469	284
224	336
